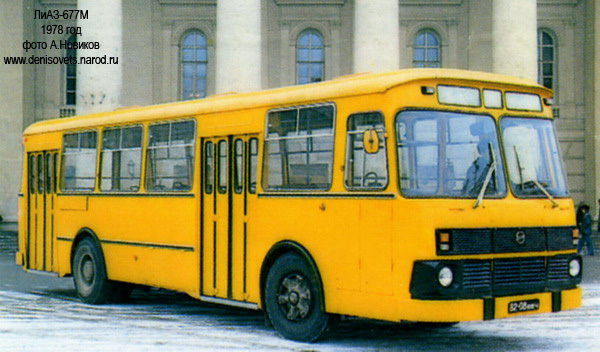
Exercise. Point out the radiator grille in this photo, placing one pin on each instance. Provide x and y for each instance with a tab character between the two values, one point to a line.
507	276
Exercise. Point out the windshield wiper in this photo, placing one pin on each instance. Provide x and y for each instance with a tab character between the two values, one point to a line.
545	191
519	168
535	182
488	177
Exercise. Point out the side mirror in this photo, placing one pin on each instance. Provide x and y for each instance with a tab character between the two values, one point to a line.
371	141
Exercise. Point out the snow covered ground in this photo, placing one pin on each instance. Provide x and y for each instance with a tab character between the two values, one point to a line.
164	321
41	314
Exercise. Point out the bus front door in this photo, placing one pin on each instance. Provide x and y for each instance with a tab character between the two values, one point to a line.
229	190
42	187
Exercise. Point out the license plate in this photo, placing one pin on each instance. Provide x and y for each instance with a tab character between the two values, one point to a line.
523	306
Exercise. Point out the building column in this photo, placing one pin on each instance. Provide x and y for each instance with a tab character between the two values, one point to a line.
12	101
99	84
514	38
238	46
592	104
376	35
596	104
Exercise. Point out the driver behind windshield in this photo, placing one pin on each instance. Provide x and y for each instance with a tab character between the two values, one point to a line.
478	170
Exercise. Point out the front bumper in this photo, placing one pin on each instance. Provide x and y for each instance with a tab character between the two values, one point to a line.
491	307
489	278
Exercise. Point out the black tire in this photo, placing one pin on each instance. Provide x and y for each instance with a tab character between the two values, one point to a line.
121	291
294	299
89	274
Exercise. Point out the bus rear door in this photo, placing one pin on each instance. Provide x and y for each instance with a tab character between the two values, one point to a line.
42	184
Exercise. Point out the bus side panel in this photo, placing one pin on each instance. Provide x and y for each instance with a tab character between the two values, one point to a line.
354	260
148	241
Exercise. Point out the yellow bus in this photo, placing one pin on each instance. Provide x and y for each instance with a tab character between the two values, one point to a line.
427	195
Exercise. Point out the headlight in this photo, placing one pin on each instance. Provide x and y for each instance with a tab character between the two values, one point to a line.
445	276
574	267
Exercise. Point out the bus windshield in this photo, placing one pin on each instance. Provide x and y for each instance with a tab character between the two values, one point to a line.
532	157
448	154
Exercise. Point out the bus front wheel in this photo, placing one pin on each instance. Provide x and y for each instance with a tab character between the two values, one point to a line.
293	299
89	273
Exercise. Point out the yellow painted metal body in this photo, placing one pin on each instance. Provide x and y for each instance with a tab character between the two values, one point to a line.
364	247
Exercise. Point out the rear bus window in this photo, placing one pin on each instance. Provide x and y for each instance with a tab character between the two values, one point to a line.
299	149
79	161
170	164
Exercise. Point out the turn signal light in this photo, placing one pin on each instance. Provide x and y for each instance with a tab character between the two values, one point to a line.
575	235
444	241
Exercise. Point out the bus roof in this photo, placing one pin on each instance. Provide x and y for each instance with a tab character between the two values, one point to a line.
345	86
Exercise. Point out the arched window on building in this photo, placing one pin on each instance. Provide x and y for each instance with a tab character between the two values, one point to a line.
427	49
193	65
310	57
546	59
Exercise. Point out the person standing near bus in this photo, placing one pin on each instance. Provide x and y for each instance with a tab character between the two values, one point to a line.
586	230
599	216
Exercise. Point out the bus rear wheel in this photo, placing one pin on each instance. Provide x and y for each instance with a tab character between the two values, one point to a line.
89	273
293	299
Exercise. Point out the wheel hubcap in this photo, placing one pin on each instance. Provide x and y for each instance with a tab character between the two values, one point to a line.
294	297
87	270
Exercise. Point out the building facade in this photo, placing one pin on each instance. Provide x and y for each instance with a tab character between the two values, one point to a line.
170	50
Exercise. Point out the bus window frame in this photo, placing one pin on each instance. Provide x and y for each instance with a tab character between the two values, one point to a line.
263	170
502	102
437	95
540	100
142	147
63	159
561	159
500	146
32	173
385	186
147	149
222	167
239	169
252	189
208	165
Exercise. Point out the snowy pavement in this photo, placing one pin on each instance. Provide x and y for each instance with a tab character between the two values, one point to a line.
42	314
165	321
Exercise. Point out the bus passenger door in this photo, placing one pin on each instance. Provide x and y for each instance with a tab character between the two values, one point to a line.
244	165
42	186
229	188
215	217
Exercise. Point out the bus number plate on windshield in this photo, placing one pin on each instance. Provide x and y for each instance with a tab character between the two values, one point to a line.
523	306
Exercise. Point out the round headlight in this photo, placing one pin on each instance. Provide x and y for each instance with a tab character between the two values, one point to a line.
445	276
574	267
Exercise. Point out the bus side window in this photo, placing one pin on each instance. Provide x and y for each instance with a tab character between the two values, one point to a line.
121	159
170	160
366	165
32	175
222	167
40	175
299	148
238	178
253	163
209	173
79	161
49	173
